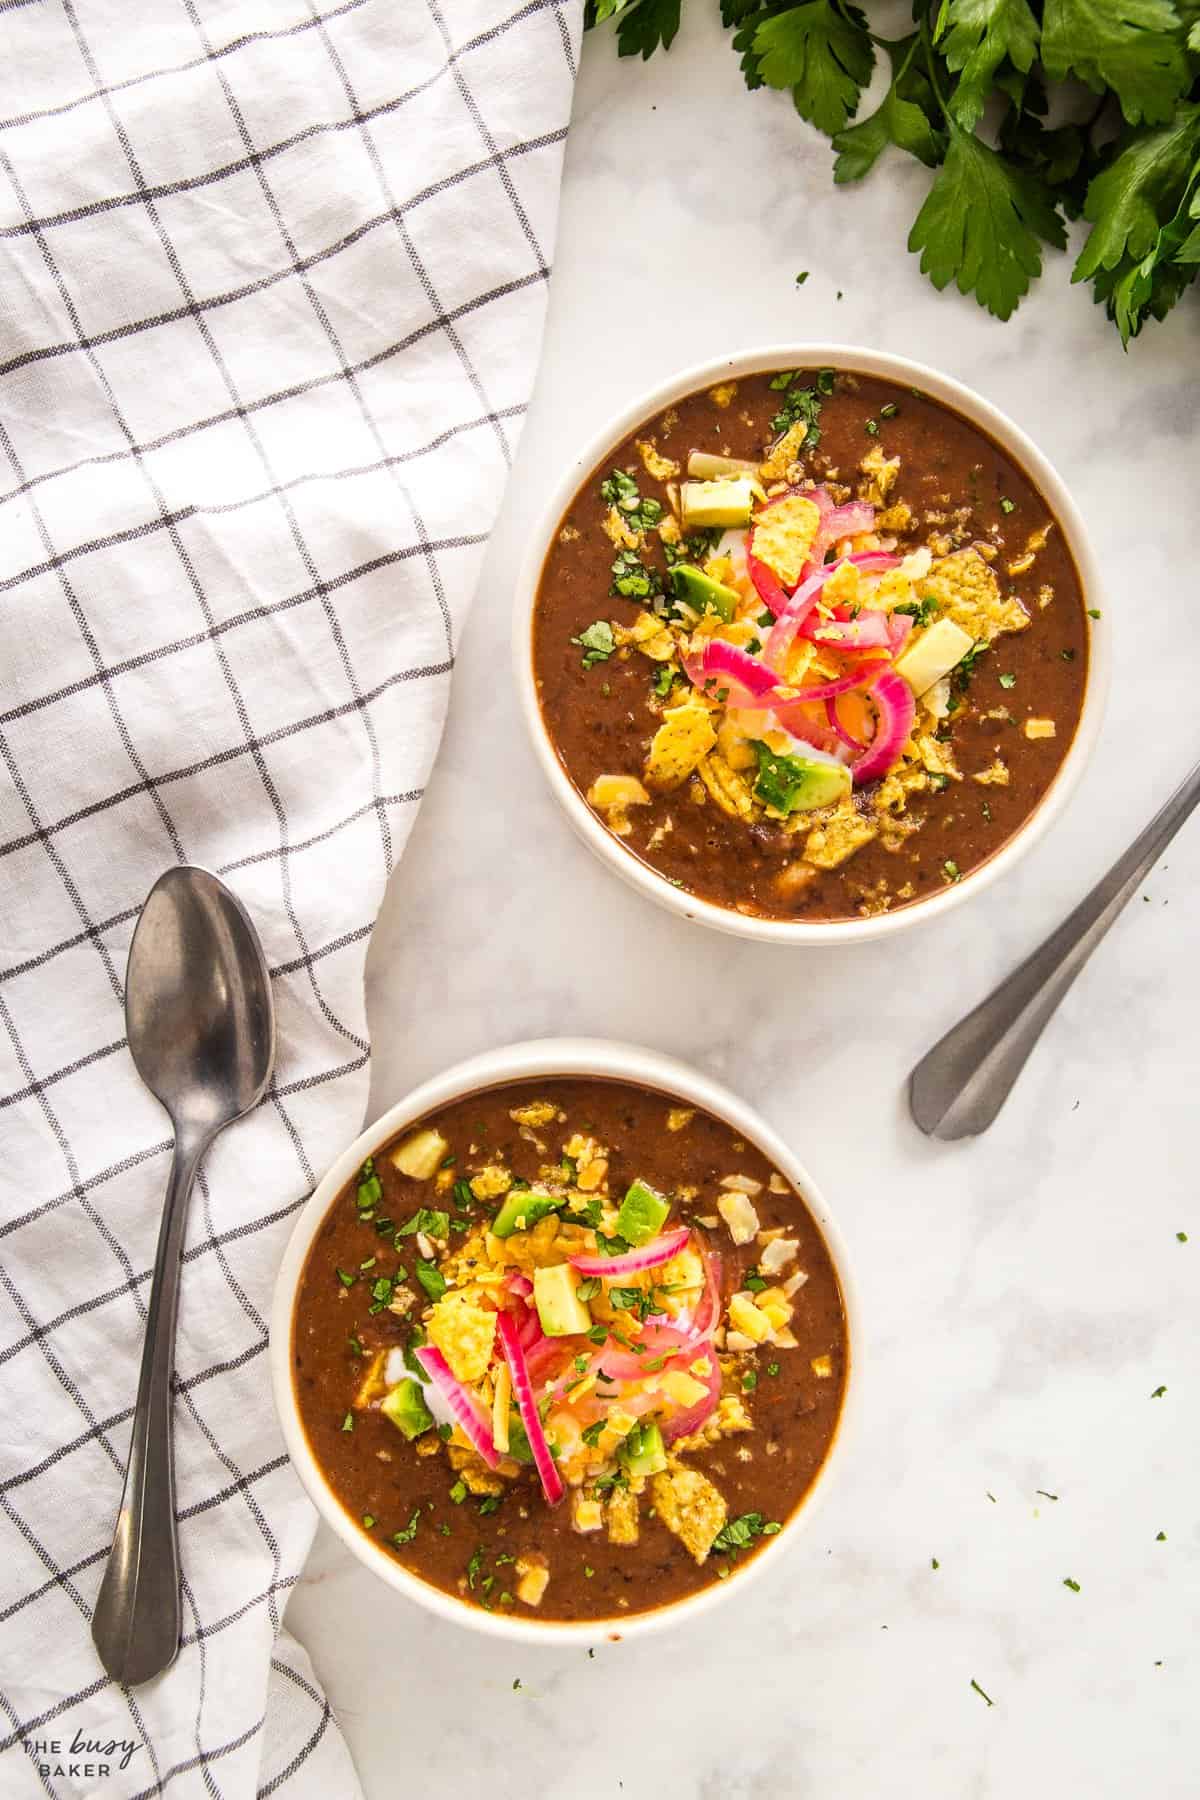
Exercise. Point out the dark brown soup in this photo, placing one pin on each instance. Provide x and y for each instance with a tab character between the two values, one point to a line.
810	645
627	1434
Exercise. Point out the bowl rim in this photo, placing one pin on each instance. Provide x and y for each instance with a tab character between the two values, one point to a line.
550	1058
981	412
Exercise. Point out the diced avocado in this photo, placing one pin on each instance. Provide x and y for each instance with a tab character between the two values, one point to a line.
405	1406
643	1452
724	502
522	1208
798	783
932	654
704	465
420	1156
702	592
642	1214
559	1307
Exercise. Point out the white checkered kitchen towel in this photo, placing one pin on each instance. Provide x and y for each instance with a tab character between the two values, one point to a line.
273	280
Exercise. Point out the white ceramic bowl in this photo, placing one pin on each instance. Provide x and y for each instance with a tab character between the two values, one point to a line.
549	1057
1012	439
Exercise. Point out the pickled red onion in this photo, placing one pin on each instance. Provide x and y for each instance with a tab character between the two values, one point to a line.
631	1262
720	660
548	1475
468	1414
831	713
684	1423
897	709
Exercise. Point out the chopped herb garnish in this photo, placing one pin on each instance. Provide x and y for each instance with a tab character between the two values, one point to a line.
1158	1393
431	1278
433	1224
612	1246
597	642
736	1534
664	679
749	1381
464	1199
1067	655
871	428
966	667
1181	1237
1007	505
1045	1495
1161	1538
587	1290
1007	681
458	1492
345	1277
368	1520
981	1693
588	1573
1069	1583
633	580
754	1283
801	278
801	403
382	1290
889	410
591	1433
516	1684
370	1263
951	870
772	1368
370	1189
919	611
474	1566
410	1530
581	1362
621	491
597	1335
356	1348
1093	612
348	1422
489	1504
934	1563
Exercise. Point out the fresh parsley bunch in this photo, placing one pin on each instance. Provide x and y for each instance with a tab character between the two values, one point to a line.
973	90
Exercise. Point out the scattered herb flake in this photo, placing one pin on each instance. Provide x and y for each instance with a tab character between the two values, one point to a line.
348	1422
1007	505
981	1693
1068	1582
597	642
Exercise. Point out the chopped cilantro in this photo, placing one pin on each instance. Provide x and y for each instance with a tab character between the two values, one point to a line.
633	581
410	1530
369	1191
415	1339
1069	1583
458	1492
736	1534
516	1684
966	667
951	870
1161	1538
431	1278
1158	1393
368	1520
1007	681
871	428
1007	505
489	1504
597	642
801	278
934	1563
591	1433
919	611
749	1381
474	1566
1094	612
356	1348
1045	1495
621	490
664	679
1181	1237
587	1290
802	403
754	1282
345	1277
589	1573
612	1246
348	1422
382	1290
772	1368
464	1199
433	1224
981	1693
889	410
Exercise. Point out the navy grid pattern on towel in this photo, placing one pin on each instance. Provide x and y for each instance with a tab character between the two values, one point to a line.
274	280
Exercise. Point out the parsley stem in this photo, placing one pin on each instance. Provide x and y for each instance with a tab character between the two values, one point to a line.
931	65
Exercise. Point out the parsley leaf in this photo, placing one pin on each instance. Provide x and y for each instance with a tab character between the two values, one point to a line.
642	25
823	53
1130	46
978	35
980	225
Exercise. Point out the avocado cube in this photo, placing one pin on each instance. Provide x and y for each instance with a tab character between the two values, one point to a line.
725	502
702	592
798	783
522	1209
405	1406
561	1311
642	1213
643	1452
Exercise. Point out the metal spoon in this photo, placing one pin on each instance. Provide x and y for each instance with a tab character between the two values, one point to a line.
957	1089
201	1029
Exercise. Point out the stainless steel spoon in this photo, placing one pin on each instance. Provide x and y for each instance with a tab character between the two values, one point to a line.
957	1089
201	1029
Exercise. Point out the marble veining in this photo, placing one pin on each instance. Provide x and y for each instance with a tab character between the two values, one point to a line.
1025	1294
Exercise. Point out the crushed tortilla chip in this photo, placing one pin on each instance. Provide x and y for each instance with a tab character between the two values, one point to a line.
681	742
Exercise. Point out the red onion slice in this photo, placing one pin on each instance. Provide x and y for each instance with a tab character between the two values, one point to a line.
897	709
466	1409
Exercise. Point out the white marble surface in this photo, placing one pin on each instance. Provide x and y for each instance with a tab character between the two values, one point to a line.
1024	1294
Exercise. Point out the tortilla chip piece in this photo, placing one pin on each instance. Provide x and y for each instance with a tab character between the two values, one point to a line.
784	533
839	836
689	1505
621	1516
681	742
966	590
464	1333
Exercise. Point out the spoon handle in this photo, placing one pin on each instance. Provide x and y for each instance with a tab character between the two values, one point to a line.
136	1624
957	1089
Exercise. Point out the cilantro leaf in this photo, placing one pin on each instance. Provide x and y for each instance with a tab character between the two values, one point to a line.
903	119
980	225
1130	46
823	54
978	35
597	643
